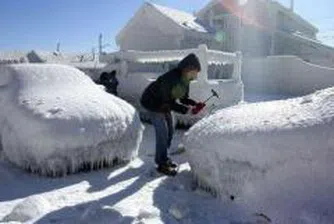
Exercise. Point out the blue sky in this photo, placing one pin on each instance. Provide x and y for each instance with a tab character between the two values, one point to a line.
40	24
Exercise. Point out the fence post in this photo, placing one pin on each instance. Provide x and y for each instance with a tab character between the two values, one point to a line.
203	58
124	68
238	66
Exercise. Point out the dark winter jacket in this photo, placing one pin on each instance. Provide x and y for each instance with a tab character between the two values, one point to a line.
161	95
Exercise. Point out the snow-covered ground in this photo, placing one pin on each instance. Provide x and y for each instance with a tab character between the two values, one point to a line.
134	193
302	191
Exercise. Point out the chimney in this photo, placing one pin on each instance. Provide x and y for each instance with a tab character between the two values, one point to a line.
292	5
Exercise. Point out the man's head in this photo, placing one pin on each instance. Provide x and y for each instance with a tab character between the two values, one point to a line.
190	67
112	74
190	74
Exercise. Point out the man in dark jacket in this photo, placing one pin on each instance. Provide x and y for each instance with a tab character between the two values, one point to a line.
160	98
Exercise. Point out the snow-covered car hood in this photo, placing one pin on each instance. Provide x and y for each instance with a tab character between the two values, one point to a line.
58	100
53	108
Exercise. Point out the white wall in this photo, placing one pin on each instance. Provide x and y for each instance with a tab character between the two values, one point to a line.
150	30
327	62
287	75
146	38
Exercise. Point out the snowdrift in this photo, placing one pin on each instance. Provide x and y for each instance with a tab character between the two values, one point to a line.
270	154
55	120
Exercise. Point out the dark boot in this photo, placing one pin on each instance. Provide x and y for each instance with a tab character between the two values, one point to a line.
166	169
171	163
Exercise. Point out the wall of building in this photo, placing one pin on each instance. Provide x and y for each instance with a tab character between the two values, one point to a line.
150	30
285	75
143	37
255	42
309	51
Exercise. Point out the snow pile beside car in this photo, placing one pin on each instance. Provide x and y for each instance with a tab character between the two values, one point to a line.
54	120
277	156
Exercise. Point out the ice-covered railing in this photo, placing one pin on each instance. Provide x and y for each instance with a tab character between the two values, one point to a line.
205	56
220	71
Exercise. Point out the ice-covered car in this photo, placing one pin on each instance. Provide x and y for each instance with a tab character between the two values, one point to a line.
54	120
275	157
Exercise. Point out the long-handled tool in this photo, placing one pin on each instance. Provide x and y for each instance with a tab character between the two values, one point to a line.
214	94
200	106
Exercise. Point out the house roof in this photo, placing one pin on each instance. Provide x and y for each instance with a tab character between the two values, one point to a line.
181	19
57	57
294	15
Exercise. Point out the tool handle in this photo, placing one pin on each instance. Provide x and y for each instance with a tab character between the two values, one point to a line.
207	99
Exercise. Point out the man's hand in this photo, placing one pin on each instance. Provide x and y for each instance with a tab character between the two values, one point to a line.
198	107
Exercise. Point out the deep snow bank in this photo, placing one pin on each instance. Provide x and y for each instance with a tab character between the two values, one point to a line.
55	119
249	147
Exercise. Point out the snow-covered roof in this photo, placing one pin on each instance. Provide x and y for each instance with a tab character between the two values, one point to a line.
276	4
11	56
57	57
183	19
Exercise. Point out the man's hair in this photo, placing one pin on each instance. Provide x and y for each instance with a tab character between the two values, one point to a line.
189	63
112	73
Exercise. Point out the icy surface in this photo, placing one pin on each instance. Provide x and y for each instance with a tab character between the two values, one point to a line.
123	194
295	193
266	147
131	194
68	120
30	208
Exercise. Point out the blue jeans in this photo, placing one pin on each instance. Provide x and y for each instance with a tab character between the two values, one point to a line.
164	130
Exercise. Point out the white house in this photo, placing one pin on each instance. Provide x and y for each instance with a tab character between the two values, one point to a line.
257	28
156	27
265	27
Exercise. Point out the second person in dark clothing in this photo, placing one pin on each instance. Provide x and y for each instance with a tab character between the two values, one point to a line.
160	98
110	81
